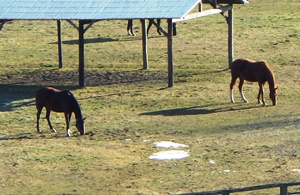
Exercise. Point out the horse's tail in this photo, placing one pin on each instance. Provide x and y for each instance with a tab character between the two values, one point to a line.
231	64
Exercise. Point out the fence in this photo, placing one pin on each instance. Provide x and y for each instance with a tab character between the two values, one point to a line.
282	186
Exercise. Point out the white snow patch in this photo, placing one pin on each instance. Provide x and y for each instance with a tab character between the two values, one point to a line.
166	144
296	170
212	162
169	155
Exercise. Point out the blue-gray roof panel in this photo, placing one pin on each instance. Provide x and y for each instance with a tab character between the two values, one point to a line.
94	9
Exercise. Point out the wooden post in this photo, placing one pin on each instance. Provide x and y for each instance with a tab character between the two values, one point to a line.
230	35
283	190
144	42
59	41
81	54
200	7
170	54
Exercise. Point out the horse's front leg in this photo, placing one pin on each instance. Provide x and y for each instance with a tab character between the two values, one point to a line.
48	119
241	90
68	118
261	94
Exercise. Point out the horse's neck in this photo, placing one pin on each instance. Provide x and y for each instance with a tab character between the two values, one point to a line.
77	110
271	81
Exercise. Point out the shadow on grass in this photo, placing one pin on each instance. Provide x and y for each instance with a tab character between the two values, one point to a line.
196	110
88	41
14	96
282	122
35	135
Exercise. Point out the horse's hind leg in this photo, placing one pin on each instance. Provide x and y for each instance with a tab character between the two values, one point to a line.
149	25
130	28
241	90
48	119
233	79
39	110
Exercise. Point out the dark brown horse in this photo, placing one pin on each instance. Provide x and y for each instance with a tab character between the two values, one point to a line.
59	101
252	71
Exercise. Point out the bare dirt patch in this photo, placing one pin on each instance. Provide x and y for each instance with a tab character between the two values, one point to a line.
92	78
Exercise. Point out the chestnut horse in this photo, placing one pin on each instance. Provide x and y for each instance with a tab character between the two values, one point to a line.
252	71
59	101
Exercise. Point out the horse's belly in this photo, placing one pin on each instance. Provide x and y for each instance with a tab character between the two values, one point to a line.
56	108
249	78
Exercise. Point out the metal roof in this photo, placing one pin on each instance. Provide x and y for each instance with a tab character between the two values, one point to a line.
94	9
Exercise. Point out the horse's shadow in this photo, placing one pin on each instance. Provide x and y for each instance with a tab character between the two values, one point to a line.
35	135
199	110
88	41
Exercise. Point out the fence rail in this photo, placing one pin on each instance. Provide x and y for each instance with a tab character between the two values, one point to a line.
283	189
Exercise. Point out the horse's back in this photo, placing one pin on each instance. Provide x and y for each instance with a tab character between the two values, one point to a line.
248	69
54	99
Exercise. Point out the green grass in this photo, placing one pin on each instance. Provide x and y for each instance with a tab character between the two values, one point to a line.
258	144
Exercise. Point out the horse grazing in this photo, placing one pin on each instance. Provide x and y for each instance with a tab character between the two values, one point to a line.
59	101
252	71
130	27
151	22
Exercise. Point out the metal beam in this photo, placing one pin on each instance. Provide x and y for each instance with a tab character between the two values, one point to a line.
204	13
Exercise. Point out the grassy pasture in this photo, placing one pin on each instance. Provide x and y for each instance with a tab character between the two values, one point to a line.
259	145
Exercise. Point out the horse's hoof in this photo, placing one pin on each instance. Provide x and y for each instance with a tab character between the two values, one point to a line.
68	134
244	100
53	130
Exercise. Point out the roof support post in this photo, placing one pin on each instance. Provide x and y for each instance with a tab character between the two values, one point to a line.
230	35
81	54
284	190
144	42
59	41
200	7
170	54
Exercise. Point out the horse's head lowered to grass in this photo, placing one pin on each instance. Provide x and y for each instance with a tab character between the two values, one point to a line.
273	95
59	101
80	126
253	71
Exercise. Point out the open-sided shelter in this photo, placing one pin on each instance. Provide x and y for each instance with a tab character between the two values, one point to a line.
89	11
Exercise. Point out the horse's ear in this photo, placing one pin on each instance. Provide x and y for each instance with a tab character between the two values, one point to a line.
84	118
276	88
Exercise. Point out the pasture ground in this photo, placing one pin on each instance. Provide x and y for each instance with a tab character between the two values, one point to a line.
125	106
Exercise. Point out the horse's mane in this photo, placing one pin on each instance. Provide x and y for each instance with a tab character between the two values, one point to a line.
269	68
271	74
77	110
